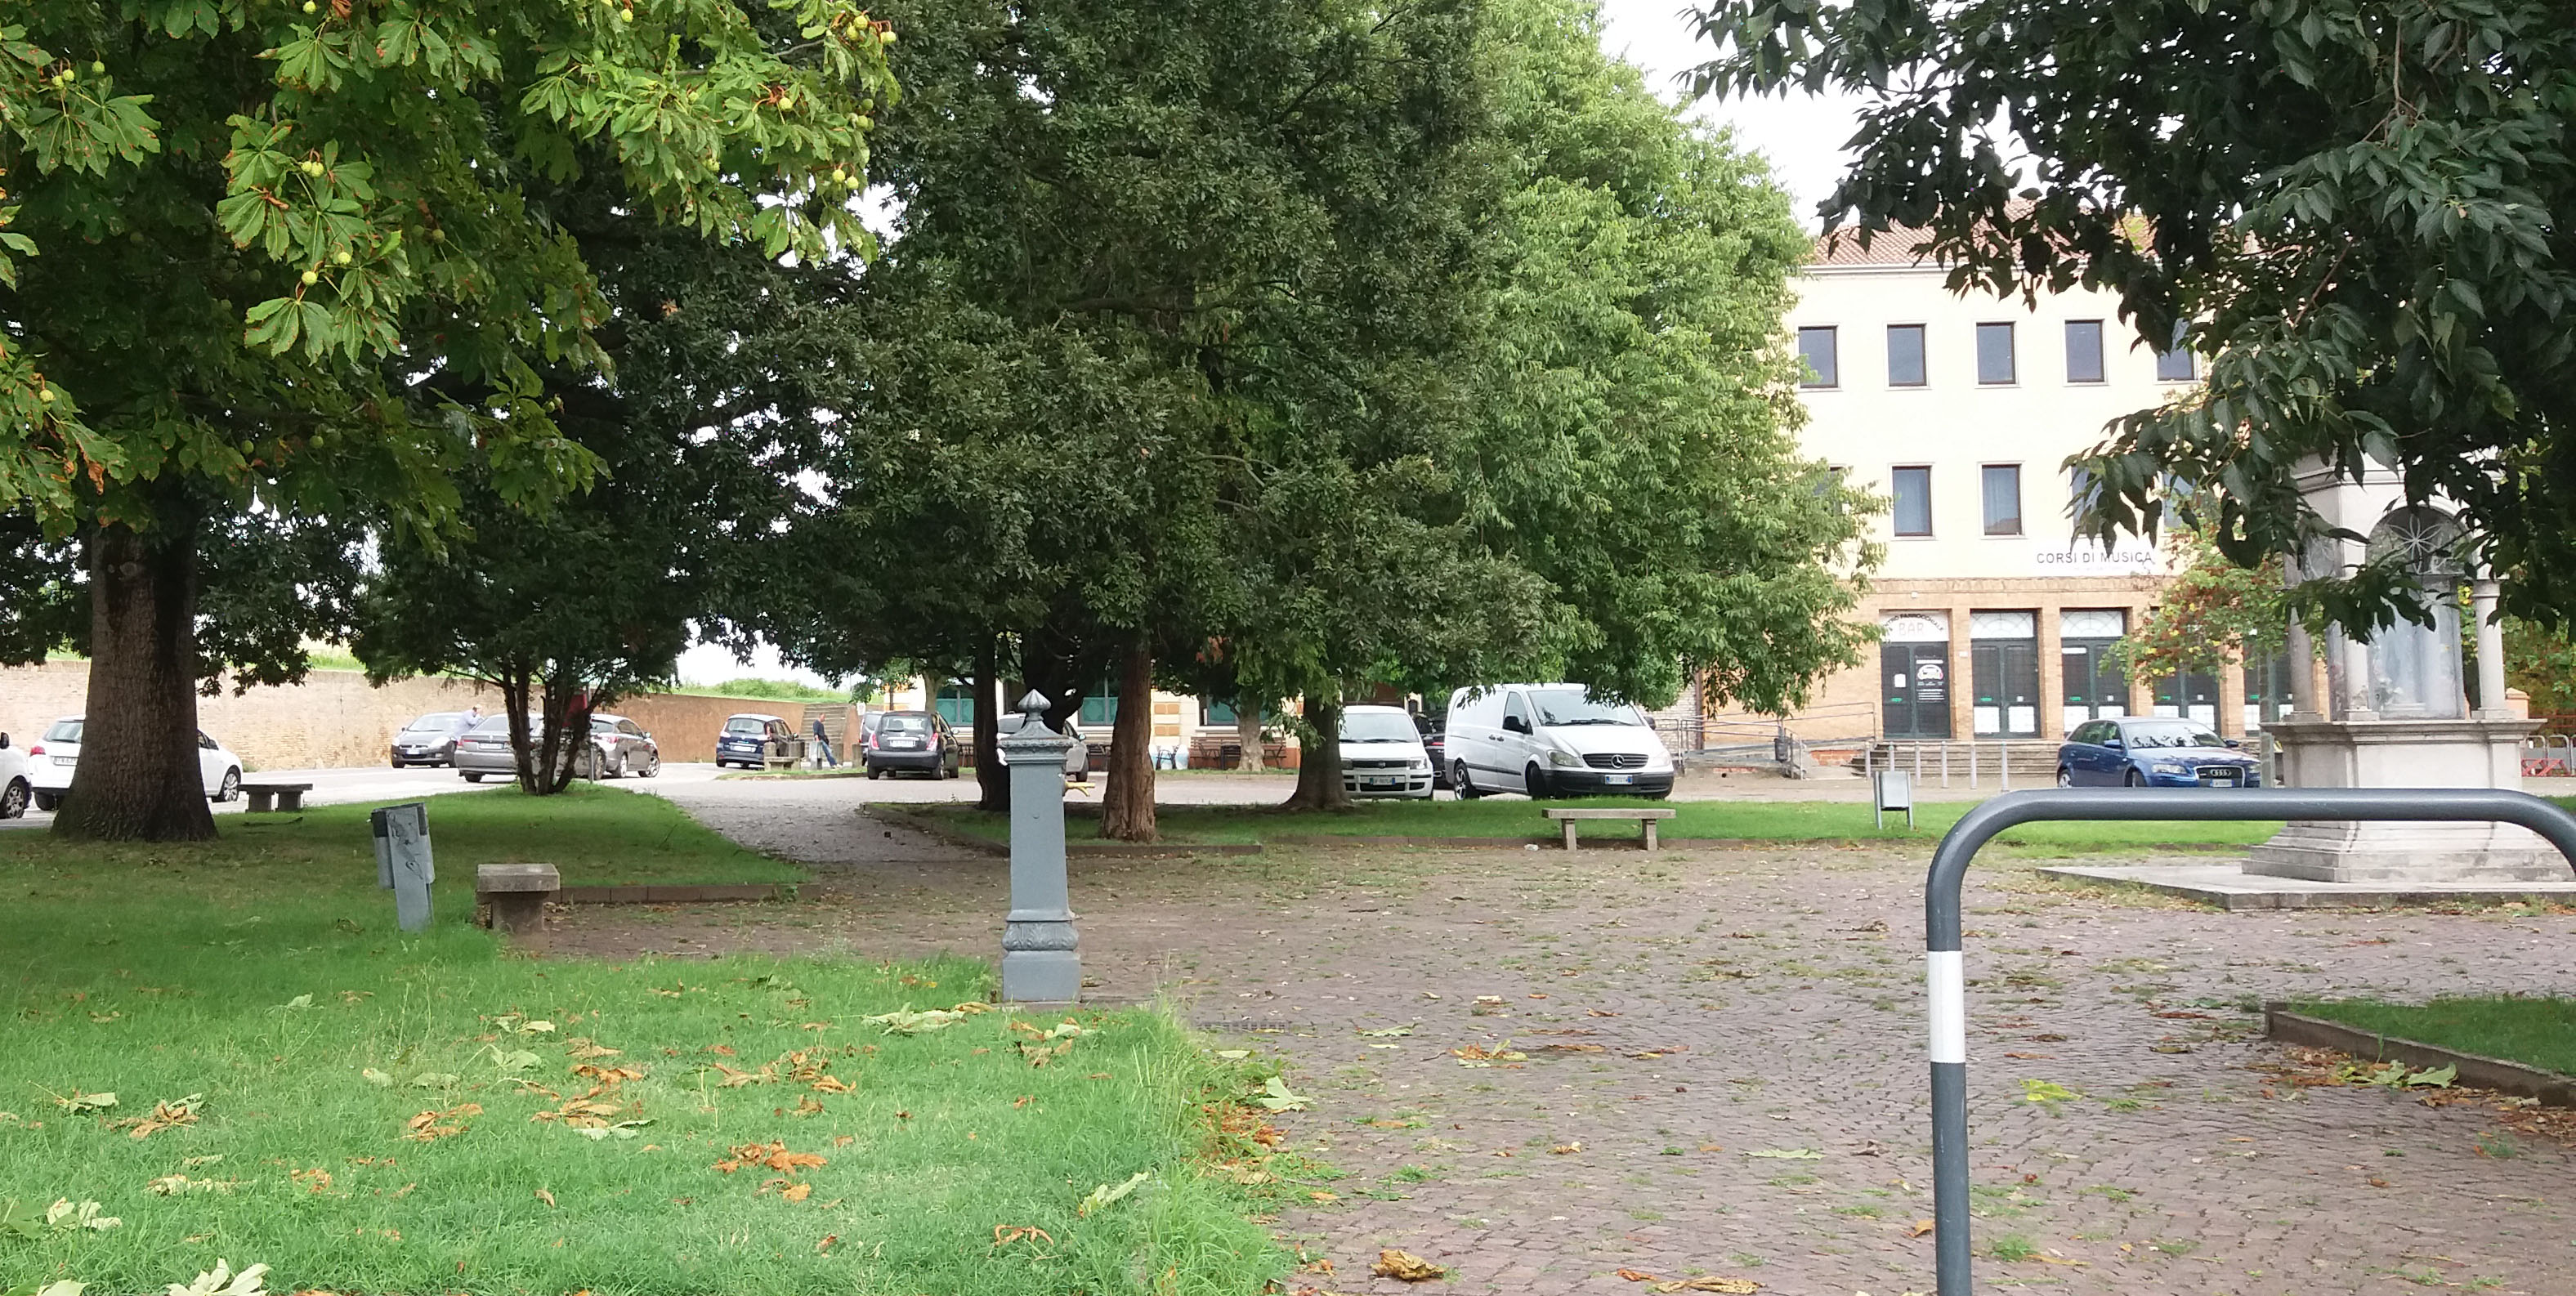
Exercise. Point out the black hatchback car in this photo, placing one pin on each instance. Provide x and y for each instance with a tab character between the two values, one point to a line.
910	740
749	739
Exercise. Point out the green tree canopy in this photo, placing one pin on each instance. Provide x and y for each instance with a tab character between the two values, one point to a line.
295	259
2359	211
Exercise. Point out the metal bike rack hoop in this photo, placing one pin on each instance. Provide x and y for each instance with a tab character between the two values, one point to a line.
1945	970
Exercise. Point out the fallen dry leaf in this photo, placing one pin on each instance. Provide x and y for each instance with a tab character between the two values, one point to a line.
1636	1275
775	1156
1563	1149
546	1197
1921	1227
796	1192
1732	1286
1404	1266
1005	1234
826	1243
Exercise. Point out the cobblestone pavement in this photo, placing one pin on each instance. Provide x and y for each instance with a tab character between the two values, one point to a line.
1709	1062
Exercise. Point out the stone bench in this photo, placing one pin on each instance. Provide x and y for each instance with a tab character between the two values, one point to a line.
1647	818
265	797
518	894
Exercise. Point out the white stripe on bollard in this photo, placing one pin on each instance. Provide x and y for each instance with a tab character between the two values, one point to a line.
1946	977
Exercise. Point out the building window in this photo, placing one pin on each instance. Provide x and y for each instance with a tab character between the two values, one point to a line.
1913	490
1994	353
1216	713
2083	351
2175	363
2003	499
2083	489
1100	706
1905	355
1816	347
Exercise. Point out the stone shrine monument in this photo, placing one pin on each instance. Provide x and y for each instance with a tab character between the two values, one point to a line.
2396	712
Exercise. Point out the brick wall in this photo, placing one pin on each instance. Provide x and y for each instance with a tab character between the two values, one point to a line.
335	719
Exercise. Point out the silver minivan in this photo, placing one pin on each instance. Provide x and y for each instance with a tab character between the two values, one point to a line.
1552	740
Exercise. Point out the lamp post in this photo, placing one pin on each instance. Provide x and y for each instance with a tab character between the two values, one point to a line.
1041	953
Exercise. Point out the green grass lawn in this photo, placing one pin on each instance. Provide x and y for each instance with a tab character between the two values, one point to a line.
377	1112
1785	821
2533	1031
595	836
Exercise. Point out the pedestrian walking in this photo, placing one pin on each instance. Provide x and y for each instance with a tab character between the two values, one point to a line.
823	746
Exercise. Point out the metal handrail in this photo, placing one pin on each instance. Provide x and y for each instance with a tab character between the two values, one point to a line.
1945	965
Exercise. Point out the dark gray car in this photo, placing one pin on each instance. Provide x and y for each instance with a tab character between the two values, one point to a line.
431	739
910	740
484	751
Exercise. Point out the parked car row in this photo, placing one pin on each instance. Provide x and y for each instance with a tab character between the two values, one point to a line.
41	774
617	747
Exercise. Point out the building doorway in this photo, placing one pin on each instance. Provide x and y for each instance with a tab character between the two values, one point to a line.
2271	690
1914	670
2003	657
2192	695
2096	686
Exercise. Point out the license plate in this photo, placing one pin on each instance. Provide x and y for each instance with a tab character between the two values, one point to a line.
67	760
2222	780
1381	782
1622	779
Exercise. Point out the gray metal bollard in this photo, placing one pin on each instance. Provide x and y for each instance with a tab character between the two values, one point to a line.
1945	965
403	862
1041	952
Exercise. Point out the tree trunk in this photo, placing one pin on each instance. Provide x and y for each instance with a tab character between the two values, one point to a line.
1127	804
992	782
138	779
1319	762
1247	731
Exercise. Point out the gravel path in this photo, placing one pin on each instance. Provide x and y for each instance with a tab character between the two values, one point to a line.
1708	1062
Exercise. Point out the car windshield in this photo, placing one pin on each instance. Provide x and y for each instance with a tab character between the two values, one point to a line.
1572	707
441	722
602	724
904	724
1377	727
2177	734
743	725
64	731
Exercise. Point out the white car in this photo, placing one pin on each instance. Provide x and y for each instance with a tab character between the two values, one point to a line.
1382	754
51	759
14	787
1553	740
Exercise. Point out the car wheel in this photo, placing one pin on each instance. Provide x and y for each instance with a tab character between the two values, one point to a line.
46	801
13	799
1459	782
652	765
473	776
2134	779
230	788
2065	777
1536	782
874	772
618	770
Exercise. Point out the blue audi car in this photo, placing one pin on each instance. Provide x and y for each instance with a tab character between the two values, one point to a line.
2152	751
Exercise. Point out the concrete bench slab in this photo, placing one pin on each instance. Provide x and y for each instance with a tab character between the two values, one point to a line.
518	894
1645	817
265	797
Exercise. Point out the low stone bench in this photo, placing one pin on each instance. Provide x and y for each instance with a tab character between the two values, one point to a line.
518	894
1570	816
265	797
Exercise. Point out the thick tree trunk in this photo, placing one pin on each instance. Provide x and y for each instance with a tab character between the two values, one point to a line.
992	782
1127	804
1247	731
1319	760
138	779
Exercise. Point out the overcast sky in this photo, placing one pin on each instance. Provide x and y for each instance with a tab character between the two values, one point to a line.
1802	138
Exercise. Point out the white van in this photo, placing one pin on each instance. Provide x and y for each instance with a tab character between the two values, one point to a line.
1552	740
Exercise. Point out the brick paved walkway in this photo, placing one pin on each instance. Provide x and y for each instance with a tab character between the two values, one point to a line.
1720	1065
